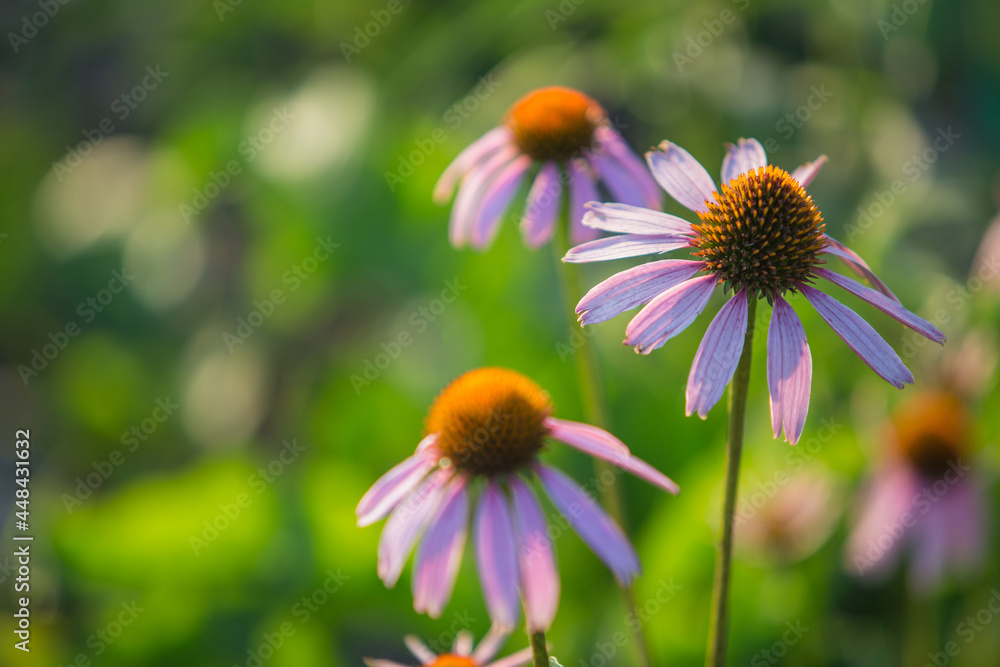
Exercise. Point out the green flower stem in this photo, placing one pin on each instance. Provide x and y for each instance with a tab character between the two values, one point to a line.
588	380
718	630
540	654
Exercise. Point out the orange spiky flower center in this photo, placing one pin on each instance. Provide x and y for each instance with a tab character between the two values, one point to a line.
554	123
448	660
490	420
761	232
932	430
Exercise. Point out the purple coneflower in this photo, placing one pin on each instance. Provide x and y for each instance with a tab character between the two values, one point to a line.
462	654
759	235
925	498
568	137
484	434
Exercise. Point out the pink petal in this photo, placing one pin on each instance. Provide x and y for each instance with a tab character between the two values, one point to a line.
789	371
627	289
496	199
717	357
617	180
490	644
632	220
522	657
463	643
539	578
860	337
747	155
929	537
891	308
496	557
669	314
614	144
581	190
394	485
470	193
872	548
681	176
807	172
419	649
598	442
625	245
590	522
440	552
855	263
374	662
405	525
966	523
477	151
544	200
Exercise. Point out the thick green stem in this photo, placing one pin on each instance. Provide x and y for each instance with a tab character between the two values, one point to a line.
588	380
540	654
718	630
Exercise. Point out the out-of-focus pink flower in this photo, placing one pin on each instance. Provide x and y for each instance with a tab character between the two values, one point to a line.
925	500
761	236
484	434
557	139
462	653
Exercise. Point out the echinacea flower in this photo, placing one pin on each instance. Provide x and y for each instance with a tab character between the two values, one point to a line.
568	137
925	499
759	235
462	653
484	434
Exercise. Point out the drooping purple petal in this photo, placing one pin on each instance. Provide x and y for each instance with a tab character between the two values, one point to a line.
419	649
929	537
536	560
872	547
394	485
477	151
625	245
598	442
471	190
594	527
619	149
669	314
496	557
966	512
891	308
440	552
855	263
582	189
860	337
496	199
406	523
805	173
542	208
745	156
789	371
681	176
717	357
625	219
627	289
617	180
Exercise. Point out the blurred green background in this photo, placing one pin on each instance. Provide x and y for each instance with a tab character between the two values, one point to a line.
227	161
